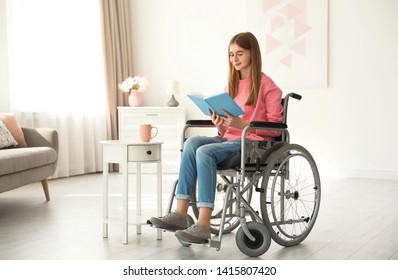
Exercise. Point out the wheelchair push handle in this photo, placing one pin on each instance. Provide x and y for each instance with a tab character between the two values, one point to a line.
294	95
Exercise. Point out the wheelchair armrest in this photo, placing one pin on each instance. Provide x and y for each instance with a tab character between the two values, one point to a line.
200	123
268	125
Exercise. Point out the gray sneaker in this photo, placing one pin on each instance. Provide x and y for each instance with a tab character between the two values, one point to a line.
171	221
194	234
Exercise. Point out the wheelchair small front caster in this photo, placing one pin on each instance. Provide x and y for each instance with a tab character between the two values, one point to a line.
257	247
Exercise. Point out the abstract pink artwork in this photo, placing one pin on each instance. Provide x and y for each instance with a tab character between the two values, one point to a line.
293	37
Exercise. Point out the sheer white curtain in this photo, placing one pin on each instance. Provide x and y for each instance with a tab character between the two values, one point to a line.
57	76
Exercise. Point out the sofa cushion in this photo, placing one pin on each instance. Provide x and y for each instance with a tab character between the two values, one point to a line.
11	122
6	138
15	160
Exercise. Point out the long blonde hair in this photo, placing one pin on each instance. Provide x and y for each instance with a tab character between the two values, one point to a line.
248	41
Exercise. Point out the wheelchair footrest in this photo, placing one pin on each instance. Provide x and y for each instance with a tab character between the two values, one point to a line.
214	244
205	242
209	242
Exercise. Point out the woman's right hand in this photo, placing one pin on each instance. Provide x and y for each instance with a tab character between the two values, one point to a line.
217	121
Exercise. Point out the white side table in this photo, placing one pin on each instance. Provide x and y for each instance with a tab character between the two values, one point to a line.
122	152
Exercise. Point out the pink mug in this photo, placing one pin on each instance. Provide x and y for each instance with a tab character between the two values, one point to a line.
147	132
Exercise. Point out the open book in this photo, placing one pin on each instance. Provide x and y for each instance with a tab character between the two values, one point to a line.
216	103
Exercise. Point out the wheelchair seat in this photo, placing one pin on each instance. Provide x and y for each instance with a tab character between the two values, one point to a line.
255	158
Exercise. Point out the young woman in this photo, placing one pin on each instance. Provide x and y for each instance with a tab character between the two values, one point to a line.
260	99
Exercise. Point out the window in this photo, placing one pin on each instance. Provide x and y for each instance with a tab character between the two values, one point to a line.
56	76
56	58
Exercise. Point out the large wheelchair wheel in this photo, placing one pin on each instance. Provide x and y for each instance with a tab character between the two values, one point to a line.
232	220
291	194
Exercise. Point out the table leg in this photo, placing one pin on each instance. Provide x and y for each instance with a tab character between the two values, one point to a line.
138	200
105	169
159	196
125	196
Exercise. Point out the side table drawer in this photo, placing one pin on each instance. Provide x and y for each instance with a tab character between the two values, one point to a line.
144	153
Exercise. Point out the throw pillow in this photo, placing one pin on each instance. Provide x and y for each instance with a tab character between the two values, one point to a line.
12	125
6	139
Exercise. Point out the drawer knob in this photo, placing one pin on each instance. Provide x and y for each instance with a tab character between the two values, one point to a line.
149	153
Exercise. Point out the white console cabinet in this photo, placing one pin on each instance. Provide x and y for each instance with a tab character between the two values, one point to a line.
170	122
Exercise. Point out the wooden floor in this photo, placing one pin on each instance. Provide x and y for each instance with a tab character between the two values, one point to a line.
358	220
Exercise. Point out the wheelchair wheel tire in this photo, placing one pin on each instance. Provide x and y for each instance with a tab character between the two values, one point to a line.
253	248
291	197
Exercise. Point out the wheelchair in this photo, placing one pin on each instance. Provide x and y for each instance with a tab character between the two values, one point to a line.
284	175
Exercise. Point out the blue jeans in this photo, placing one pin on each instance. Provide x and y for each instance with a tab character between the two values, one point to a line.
199	161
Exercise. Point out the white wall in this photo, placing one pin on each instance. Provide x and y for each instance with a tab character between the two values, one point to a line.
350	127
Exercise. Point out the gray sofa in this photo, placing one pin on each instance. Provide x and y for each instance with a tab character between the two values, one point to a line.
37	162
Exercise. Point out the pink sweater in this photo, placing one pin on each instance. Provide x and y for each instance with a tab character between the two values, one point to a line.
267	109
